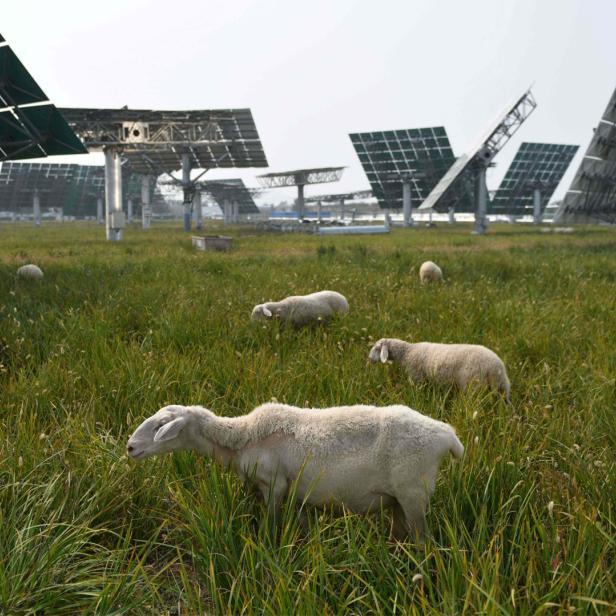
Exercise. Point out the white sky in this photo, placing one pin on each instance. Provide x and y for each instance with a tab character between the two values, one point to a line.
313	71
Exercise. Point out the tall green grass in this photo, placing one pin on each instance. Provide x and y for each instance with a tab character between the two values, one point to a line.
525	523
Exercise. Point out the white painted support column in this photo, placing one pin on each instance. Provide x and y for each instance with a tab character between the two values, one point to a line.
114	215
226	211
407	208
146	208
537	206
36	208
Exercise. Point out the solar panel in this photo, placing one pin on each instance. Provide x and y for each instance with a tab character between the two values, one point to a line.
482	152
535	166
72	188
592	194
28	131
300	177
423	155
153	142
231	190
338	197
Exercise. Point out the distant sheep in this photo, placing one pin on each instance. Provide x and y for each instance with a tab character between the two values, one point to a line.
453	364
303	309
362	457
30	272
430	272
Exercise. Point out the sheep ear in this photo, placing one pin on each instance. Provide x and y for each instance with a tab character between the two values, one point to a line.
384	353
267	312
170	430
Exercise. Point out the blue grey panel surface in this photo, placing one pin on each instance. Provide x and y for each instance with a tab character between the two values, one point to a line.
592	194
535	166
422	154
233	190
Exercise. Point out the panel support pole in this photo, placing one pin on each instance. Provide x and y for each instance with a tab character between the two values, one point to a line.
99	209
114	215
129	210
407	208
537	206
226	212
36	208
198	209
146	208
452	215
319	212
481	202
188	197
300	201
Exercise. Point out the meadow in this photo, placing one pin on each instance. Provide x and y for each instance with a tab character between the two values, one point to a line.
525	523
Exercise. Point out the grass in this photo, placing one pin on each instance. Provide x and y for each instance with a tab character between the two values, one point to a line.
115	331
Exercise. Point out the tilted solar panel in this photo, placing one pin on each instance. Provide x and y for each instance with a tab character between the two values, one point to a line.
422	155
232	190
592	194
536	166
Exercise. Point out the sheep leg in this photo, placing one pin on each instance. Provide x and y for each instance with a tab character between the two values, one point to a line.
414	516
273	493
399	528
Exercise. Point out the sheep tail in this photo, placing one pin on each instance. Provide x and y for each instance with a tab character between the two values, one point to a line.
455	447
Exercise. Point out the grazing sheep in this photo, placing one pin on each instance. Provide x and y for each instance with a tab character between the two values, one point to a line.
454	364
30	272
359	457
303	309
430	272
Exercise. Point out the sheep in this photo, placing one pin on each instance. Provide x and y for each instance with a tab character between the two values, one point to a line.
430	272
454	364
301	310
359	457
30	272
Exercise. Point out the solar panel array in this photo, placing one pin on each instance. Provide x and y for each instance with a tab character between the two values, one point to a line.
592	194
153	142
422	154
233	190
28	131
72	188
535	166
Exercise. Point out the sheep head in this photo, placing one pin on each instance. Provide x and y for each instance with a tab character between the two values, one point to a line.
379	352
168	429
261	313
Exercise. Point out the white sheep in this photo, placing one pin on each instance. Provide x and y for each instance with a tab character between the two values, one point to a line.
30	272
303	309
452	364
359	457
430	272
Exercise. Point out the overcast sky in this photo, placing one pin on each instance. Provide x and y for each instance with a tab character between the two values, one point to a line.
313	71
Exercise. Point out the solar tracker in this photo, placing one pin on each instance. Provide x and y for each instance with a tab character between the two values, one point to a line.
536	166
27	129
478	158
233	190
299	178
153	142
421	156
592	194
340	197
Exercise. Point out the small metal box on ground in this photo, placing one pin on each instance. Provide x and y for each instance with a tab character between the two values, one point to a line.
212	242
